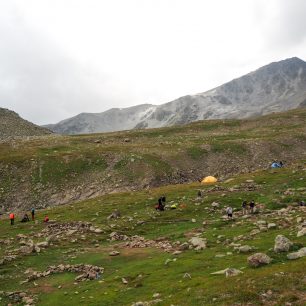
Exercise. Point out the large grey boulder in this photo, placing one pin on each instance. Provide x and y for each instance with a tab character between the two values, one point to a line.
302	232
282	244
258	259
198	243
300	253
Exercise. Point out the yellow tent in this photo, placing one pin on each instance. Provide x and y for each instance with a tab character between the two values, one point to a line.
209	180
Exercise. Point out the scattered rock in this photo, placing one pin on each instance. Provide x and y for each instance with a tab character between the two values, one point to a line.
244	249
272	225
258	259
300	253
184	246
114	253
228	272
302	232
282	244
87	272
215	205
198	243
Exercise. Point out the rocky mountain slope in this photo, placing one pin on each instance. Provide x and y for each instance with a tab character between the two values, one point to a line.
118	250
277	87
48	171
114	119
11	125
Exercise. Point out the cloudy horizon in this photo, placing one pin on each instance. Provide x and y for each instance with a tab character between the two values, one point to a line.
63	57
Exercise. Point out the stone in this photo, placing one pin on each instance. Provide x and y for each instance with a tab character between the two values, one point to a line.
177	253
228	272
184	246
198	243
258	259
114	253
156	295
300	253
261	222
43	244
271	225
302	232
215	205
299	220
282	244
244	249
98	231
124	281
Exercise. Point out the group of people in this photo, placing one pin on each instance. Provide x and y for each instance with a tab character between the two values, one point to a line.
161	203
246	208
26	218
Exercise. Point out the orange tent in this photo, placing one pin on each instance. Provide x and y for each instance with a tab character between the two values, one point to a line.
209	180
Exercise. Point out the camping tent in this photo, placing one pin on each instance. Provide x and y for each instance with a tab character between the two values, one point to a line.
209	180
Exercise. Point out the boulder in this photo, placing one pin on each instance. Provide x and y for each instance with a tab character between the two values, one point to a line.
184	246
300	253
244	249
258	259
302	232
282	244
114	253
215	205
198	243
228	272
271	226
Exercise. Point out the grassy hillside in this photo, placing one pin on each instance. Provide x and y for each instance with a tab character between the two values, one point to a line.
150	274
53	170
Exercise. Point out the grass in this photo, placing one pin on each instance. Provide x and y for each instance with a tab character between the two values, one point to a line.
145	269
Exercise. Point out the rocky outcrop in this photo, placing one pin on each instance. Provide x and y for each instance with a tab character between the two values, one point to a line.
11	126
89	272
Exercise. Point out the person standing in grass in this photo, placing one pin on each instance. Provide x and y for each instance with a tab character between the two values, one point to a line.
33	213
252	206
12	218
244	208
229	211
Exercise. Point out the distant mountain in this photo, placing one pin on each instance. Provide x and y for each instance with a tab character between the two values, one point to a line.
115	119
276	87
12	125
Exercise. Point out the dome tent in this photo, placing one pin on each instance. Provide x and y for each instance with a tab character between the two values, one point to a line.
209	180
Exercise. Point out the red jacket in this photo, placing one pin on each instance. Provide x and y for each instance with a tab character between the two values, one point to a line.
12	216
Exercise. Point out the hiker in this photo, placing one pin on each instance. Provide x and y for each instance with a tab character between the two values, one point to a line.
25	218
12	218
252	207
163	198
229	211
33	213
302	203
244	208
160	205
46	219
281	164
199	194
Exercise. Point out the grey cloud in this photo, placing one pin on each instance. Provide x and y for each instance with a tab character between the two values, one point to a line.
288	27
40	82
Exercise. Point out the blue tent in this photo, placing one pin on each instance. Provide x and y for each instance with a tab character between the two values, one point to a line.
275	165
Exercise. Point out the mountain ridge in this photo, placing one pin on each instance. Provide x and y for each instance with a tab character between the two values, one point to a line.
276	87
12	125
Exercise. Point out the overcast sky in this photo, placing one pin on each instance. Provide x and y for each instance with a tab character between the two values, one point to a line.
62	57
